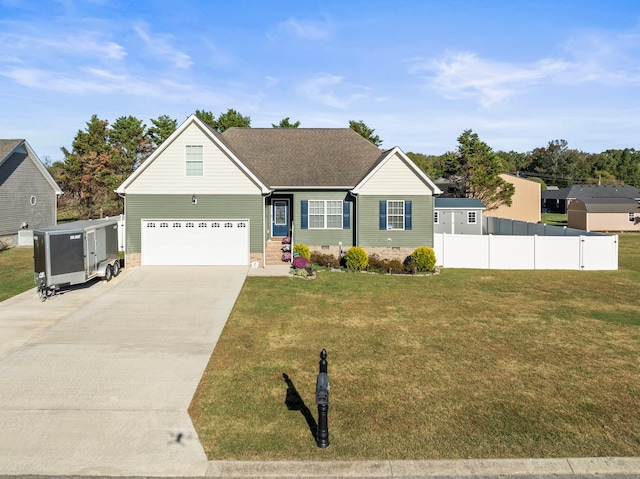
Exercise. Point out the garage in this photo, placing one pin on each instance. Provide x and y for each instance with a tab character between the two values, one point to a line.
195	242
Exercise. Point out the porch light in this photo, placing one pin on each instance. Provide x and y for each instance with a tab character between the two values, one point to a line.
194	200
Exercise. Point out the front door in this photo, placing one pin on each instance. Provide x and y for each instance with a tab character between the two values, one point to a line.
280	218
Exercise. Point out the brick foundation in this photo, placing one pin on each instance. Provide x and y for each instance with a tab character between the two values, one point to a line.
132	260
390	253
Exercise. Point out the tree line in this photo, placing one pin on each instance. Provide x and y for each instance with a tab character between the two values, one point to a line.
104	154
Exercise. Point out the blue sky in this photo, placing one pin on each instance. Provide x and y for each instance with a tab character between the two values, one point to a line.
518	73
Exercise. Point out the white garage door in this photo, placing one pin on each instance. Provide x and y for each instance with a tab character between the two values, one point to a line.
195	242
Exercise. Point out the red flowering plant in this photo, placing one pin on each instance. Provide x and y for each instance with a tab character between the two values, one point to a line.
300	262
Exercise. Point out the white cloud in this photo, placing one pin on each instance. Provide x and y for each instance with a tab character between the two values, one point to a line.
160	46
465	75
82	43
308	30
331	90
588	57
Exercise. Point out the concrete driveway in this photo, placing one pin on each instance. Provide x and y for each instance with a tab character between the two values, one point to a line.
98	380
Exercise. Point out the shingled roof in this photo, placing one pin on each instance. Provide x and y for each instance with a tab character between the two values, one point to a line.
7	146
304	157
592	191
610	205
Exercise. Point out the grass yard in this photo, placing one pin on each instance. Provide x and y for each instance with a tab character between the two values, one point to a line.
464	364
16	272
554	219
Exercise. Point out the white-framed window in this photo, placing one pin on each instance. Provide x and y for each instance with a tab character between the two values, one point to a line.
33	200
395	214
325	214
472	217
632	217
436	217
194	160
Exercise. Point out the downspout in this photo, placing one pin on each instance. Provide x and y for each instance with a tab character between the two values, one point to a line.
354	218
264	229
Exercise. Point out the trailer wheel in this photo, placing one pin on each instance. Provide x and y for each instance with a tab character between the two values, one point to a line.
108	273
116	268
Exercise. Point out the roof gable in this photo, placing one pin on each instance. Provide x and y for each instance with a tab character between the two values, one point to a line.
210	135
400	173
9	147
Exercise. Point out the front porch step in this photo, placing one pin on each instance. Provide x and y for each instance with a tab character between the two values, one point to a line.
274	252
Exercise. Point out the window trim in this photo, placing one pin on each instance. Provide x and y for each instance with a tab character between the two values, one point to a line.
632	217
436	217
325	215
389	215
188	161
475	217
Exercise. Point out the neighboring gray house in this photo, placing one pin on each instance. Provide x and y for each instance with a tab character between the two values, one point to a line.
558	201
458	216
208	198
28	193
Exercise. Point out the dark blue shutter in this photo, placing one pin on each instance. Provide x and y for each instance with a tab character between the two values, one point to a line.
383	215
346	215
407	215
304	214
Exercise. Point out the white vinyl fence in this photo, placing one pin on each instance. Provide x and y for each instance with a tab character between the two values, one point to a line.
589	251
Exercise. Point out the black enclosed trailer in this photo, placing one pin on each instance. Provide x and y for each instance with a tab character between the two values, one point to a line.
74	253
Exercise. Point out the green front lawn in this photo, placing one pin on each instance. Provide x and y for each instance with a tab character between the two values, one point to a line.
16	272
464	364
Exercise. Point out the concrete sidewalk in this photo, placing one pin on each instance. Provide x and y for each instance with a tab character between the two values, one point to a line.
627	466
97	381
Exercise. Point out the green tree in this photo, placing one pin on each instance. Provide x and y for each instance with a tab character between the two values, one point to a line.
227	120
85	171
131	145
478	170
232	119
366	132
425	163
208	118
163	127
285	123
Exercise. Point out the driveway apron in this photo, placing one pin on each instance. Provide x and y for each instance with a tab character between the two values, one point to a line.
98	380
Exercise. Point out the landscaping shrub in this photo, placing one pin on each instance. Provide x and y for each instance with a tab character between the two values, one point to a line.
3	246
424	258
327	260
394	266
356	258
300	262
302	250
376	263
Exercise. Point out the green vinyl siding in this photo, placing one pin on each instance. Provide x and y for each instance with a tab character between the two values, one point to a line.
318	237
368	222
139	207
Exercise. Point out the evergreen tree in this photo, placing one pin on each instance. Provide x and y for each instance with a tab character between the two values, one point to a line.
478	168
366	132
285	123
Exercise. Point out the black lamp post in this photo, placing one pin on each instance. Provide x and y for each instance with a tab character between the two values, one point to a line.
322	400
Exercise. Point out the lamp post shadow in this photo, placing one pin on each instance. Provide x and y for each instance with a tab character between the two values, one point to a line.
294	402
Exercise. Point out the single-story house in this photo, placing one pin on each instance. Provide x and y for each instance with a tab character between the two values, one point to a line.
28	193
558	201
525	202
224	199
458	216
604	214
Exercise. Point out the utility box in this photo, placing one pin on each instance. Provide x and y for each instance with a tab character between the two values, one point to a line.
76	252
